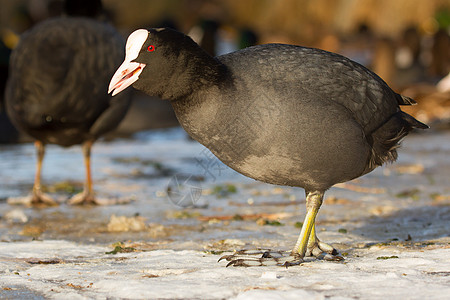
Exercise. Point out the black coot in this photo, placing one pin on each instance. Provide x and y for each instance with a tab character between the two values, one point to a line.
56	91
280	114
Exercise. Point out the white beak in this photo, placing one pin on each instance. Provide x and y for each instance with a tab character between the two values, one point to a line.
125	76
129	71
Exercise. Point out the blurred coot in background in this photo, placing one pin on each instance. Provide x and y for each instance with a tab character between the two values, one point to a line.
55	92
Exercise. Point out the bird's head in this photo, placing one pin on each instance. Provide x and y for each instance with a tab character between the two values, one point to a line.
153	54
168	63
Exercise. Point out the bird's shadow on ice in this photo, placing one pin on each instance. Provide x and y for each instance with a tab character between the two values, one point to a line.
412	224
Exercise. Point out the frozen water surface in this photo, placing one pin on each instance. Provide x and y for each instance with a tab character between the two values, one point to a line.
186	209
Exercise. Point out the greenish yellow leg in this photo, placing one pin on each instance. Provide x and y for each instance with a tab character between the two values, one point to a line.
313	203
312	241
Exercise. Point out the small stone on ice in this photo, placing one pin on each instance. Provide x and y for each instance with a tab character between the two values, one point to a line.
124	224
269	275
16	216
391	275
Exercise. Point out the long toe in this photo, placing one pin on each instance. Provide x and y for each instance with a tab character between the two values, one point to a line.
261	257
323	250
35	199
82	199
89	199
45	199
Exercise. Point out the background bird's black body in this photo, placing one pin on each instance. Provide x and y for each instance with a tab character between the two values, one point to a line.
57	90
59	75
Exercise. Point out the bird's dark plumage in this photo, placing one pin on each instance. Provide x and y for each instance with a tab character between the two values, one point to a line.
281	114
59	74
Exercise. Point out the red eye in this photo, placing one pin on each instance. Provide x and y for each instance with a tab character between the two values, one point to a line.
151	48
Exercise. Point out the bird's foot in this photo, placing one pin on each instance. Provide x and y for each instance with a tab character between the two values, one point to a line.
262	257
35	199
84	198
322	250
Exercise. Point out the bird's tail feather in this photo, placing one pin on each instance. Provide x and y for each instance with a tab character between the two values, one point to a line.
386	139
403	100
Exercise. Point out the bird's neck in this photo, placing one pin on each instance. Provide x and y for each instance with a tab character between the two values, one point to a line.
197	111
199	75
192	74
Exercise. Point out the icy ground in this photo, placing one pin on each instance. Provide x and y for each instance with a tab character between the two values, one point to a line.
186	210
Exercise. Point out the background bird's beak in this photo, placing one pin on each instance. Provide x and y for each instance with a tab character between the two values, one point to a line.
125	76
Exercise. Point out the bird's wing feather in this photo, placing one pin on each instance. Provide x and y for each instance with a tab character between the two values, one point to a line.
330	76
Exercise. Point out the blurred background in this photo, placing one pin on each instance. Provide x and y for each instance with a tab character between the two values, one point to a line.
406	42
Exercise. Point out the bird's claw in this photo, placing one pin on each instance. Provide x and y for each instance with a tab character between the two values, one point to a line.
254	258
336	257
267	257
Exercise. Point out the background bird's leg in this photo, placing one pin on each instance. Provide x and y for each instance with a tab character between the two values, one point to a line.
40	153
38	196
87	196
87	146
313	203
